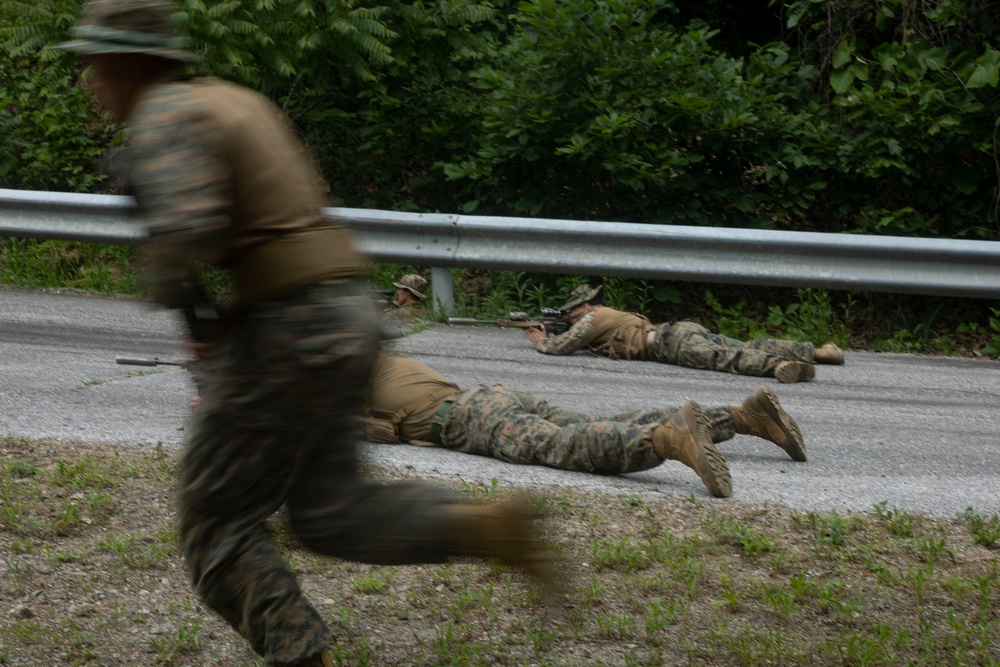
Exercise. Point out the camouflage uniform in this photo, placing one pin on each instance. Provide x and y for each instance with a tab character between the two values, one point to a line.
415	285
407	312
408	401
221	180
619	335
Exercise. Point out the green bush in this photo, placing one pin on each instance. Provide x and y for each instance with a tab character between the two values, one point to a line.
54	139
860	116
86	266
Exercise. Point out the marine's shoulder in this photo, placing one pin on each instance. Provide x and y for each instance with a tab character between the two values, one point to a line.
187	99
606	313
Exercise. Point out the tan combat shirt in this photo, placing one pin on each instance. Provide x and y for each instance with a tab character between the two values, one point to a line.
221	178
405	388
605	331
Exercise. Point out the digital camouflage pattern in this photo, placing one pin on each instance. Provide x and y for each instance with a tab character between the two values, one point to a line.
208	195
693	346
604	331
518	426
581	294
619	335
414	284
404	313
534	431
277	424
222	181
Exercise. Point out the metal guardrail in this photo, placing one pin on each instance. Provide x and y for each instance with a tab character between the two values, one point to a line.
943	267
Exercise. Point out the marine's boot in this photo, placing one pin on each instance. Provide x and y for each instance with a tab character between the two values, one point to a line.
320	660
686	437
504	532
794	371
829	354
761	415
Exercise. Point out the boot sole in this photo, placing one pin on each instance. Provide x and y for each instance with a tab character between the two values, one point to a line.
712	466
795	371
832	356
794	444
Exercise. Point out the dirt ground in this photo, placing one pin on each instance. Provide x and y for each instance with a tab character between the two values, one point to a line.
92	576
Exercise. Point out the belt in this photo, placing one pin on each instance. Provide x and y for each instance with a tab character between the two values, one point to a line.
439	418
307	257
437	422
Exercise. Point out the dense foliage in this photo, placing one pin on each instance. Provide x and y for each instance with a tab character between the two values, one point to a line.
860	116
869	116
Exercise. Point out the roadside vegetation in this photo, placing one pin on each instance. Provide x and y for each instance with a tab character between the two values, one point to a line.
92	576
845	116
873	322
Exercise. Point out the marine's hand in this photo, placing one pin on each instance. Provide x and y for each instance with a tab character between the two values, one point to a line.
533	333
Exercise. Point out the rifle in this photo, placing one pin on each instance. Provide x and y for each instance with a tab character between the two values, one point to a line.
383	295
154	361
554	320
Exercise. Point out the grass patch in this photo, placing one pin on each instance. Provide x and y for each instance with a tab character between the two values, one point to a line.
722	583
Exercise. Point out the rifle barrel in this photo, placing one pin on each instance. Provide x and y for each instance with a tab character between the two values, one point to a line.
139	361
468	320
520	324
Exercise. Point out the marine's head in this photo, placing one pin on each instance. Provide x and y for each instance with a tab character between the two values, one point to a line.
411	288
580	295
128	26
126	44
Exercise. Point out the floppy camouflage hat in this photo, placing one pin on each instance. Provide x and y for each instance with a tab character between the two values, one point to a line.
128	26
413	283
581	294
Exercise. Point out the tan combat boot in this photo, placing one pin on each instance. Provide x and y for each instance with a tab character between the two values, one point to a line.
794	371
501	531
761	415
686	437
829	354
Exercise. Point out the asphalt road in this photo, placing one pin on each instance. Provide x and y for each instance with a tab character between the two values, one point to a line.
917	433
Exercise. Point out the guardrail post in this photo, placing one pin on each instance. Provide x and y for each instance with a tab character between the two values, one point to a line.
442	290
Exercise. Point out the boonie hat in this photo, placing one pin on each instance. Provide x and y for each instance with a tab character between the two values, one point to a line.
581	294
128	26
413	283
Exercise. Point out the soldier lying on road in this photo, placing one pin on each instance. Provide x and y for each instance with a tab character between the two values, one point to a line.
411	298
410	402
619	335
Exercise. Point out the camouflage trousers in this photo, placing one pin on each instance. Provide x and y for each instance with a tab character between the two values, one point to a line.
520	427
692	345
277	425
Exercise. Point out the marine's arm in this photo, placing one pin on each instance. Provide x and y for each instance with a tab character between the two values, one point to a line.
578	337
181	180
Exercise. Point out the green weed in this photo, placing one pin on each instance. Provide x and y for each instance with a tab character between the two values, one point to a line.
985	531
481	491
614	626
184	640
832	529
751	540
897	522
375	582
811	319
21	469
136	551
623	553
